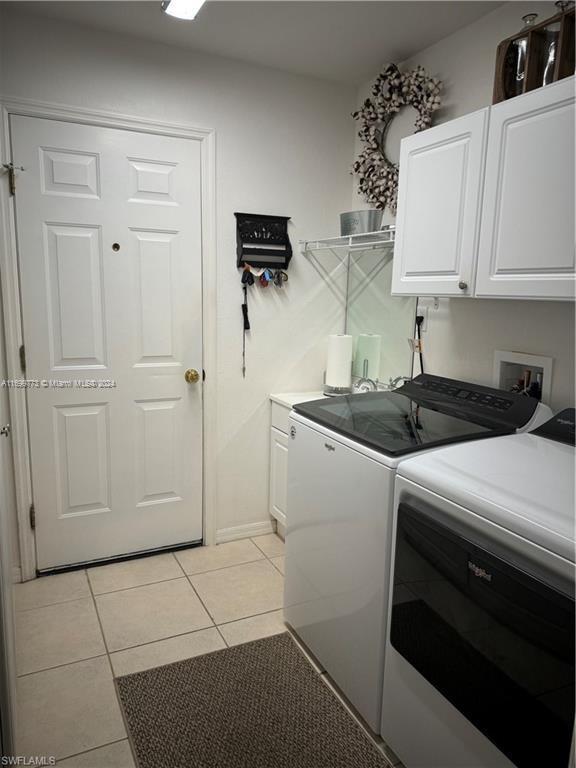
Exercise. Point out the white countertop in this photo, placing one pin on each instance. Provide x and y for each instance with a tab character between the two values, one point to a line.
289	399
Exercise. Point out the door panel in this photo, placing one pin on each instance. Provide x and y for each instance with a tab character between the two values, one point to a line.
110	259
73	174
74	296
157	451
154	262
82	449
527	241
439	201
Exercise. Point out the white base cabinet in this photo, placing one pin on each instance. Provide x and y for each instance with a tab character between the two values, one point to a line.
281	405
486	202
278	474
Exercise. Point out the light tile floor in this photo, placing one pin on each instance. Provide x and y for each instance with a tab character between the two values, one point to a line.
77	631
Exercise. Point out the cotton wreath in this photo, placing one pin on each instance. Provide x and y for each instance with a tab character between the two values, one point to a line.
392	90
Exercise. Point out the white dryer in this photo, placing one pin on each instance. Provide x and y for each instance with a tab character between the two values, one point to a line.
479	660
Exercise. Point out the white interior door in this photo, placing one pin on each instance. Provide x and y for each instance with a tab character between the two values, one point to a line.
109	235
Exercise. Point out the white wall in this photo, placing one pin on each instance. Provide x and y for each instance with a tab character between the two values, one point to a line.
463	334
283	146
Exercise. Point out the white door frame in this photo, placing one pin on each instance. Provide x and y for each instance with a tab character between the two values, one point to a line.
10	291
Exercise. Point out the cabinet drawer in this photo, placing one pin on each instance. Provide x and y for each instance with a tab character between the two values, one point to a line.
280	417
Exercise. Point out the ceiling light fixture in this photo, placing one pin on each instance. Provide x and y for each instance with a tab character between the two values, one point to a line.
182	9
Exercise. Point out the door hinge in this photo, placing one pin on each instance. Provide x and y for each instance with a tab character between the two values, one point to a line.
32	516
11	169
22	355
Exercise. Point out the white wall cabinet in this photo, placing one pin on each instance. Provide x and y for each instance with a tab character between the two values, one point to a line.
439	197
486	202
527	235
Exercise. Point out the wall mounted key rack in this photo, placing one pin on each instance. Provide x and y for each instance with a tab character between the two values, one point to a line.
262	241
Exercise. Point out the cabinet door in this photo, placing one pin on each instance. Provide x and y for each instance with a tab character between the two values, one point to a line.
278	474
439	198
527	238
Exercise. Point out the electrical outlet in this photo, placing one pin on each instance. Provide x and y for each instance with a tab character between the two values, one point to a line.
421	310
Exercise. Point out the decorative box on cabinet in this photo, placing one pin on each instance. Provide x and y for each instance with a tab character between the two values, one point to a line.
281	407
439	197
527	234
486	202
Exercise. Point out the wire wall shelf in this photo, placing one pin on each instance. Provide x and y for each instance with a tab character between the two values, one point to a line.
382	239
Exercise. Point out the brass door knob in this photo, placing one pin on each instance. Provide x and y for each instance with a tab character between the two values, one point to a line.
192	376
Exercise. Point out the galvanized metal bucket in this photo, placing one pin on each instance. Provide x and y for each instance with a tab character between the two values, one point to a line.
359	222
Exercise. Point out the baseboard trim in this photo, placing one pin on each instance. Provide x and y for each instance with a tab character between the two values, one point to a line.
245	531
16	574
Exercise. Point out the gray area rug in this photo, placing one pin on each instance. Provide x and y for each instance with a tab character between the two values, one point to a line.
258	705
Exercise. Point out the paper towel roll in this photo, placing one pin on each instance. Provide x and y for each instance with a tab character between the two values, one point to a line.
368	347
339	361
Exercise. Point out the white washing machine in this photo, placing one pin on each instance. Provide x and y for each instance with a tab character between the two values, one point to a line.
342	462
479	667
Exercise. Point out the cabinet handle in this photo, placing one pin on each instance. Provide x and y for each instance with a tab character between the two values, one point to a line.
462	285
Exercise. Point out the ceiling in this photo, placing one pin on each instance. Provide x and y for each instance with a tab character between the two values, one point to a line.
342	41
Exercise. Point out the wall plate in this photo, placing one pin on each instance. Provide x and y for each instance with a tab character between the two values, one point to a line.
510	366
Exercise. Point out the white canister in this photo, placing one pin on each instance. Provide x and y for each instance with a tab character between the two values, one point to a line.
339	364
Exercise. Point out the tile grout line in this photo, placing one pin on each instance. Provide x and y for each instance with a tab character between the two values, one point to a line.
201	601
232	621
49	605
100	624
222	636
275	566
59	666
56	602
206	609
137	586
225	567
161	640
268	557
203	604
252	616
93	749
